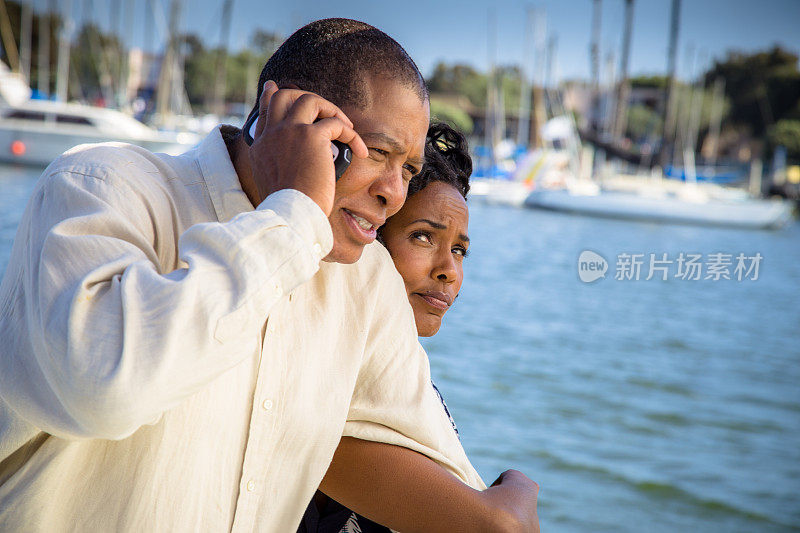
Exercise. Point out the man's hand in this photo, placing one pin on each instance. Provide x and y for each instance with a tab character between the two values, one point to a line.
292	144
517	495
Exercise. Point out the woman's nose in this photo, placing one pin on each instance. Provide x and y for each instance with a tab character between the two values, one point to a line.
445	268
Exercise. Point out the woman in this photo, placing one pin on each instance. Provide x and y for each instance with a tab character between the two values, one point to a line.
428	242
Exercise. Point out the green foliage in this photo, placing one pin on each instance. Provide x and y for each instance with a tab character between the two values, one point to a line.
465	80
763	87
643	122
786	133
451	114
14	11
461	79
96	61
242	68
653	82
685	100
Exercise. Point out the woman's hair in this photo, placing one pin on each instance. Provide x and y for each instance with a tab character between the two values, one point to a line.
447	160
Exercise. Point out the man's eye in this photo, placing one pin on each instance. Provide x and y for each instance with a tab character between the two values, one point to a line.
411	170
378	151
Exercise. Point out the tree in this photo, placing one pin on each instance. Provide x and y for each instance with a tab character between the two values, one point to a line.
456	117
465	80
643	122
651	82
786	133
763	87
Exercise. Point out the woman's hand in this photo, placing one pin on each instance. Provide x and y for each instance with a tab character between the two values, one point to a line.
516	494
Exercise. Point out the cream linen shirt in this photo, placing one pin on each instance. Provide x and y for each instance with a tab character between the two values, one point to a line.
173	360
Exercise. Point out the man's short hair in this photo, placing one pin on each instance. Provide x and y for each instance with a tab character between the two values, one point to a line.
334	57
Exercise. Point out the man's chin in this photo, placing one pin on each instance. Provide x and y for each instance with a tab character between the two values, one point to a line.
345	255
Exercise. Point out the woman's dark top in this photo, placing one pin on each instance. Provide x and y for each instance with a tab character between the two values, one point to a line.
336	518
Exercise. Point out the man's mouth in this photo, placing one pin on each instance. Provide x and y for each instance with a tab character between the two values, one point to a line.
365	227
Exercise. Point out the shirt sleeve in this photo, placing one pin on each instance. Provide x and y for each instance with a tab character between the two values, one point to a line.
394	400
115	342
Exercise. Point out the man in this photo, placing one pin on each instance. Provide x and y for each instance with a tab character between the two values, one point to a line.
174	359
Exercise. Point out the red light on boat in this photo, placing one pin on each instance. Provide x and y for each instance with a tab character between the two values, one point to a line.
18	148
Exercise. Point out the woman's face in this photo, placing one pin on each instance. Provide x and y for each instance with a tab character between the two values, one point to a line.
428	241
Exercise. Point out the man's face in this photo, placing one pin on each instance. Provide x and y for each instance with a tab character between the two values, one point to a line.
393	125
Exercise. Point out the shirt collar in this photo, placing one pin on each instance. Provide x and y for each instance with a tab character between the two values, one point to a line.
220	177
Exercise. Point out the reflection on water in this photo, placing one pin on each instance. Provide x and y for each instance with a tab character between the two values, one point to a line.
637	405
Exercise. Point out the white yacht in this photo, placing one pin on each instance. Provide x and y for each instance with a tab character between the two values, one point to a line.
34	132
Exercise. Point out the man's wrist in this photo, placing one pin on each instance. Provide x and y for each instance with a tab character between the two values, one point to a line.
304	216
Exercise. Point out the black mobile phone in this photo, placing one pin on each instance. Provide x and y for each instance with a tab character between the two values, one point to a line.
342	154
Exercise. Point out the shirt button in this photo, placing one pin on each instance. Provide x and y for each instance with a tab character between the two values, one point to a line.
267	405
317	249
251	486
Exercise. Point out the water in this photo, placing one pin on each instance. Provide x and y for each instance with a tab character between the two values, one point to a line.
636	405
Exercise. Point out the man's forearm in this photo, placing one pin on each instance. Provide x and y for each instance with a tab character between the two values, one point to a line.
114	341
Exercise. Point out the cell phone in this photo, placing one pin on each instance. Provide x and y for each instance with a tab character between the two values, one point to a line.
342	154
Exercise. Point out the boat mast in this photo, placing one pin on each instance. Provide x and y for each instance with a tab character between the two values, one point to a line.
717	102
44	53
8	38
524	124
540	50
222	59
167	65
665	156
594	60
26	24
693	127
62	74
491	90
623	89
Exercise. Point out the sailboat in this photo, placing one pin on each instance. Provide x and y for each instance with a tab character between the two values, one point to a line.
654	199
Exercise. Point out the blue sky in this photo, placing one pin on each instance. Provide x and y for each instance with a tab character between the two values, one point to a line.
456	31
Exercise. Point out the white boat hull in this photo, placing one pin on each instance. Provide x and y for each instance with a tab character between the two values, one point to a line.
38	147
754	214
499	192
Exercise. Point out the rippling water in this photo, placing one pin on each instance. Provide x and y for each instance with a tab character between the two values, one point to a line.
636	405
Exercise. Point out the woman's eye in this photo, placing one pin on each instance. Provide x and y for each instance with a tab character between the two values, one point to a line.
459	250
420	236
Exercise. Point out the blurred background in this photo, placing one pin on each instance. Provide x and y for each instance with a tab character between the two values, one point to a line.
613	141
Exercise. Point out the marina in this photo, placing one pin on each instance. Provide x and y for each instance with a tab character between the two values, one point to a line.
672	404
628	330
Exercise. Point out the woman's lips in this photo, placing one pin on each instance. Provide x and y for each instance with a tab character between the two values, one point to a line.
437	299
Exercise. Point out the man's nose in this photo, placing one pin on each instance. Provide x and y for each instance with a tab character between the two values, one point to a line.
390	189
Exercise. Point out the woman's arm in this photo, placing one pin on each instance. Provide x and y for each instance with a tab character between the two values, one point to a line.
406	491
